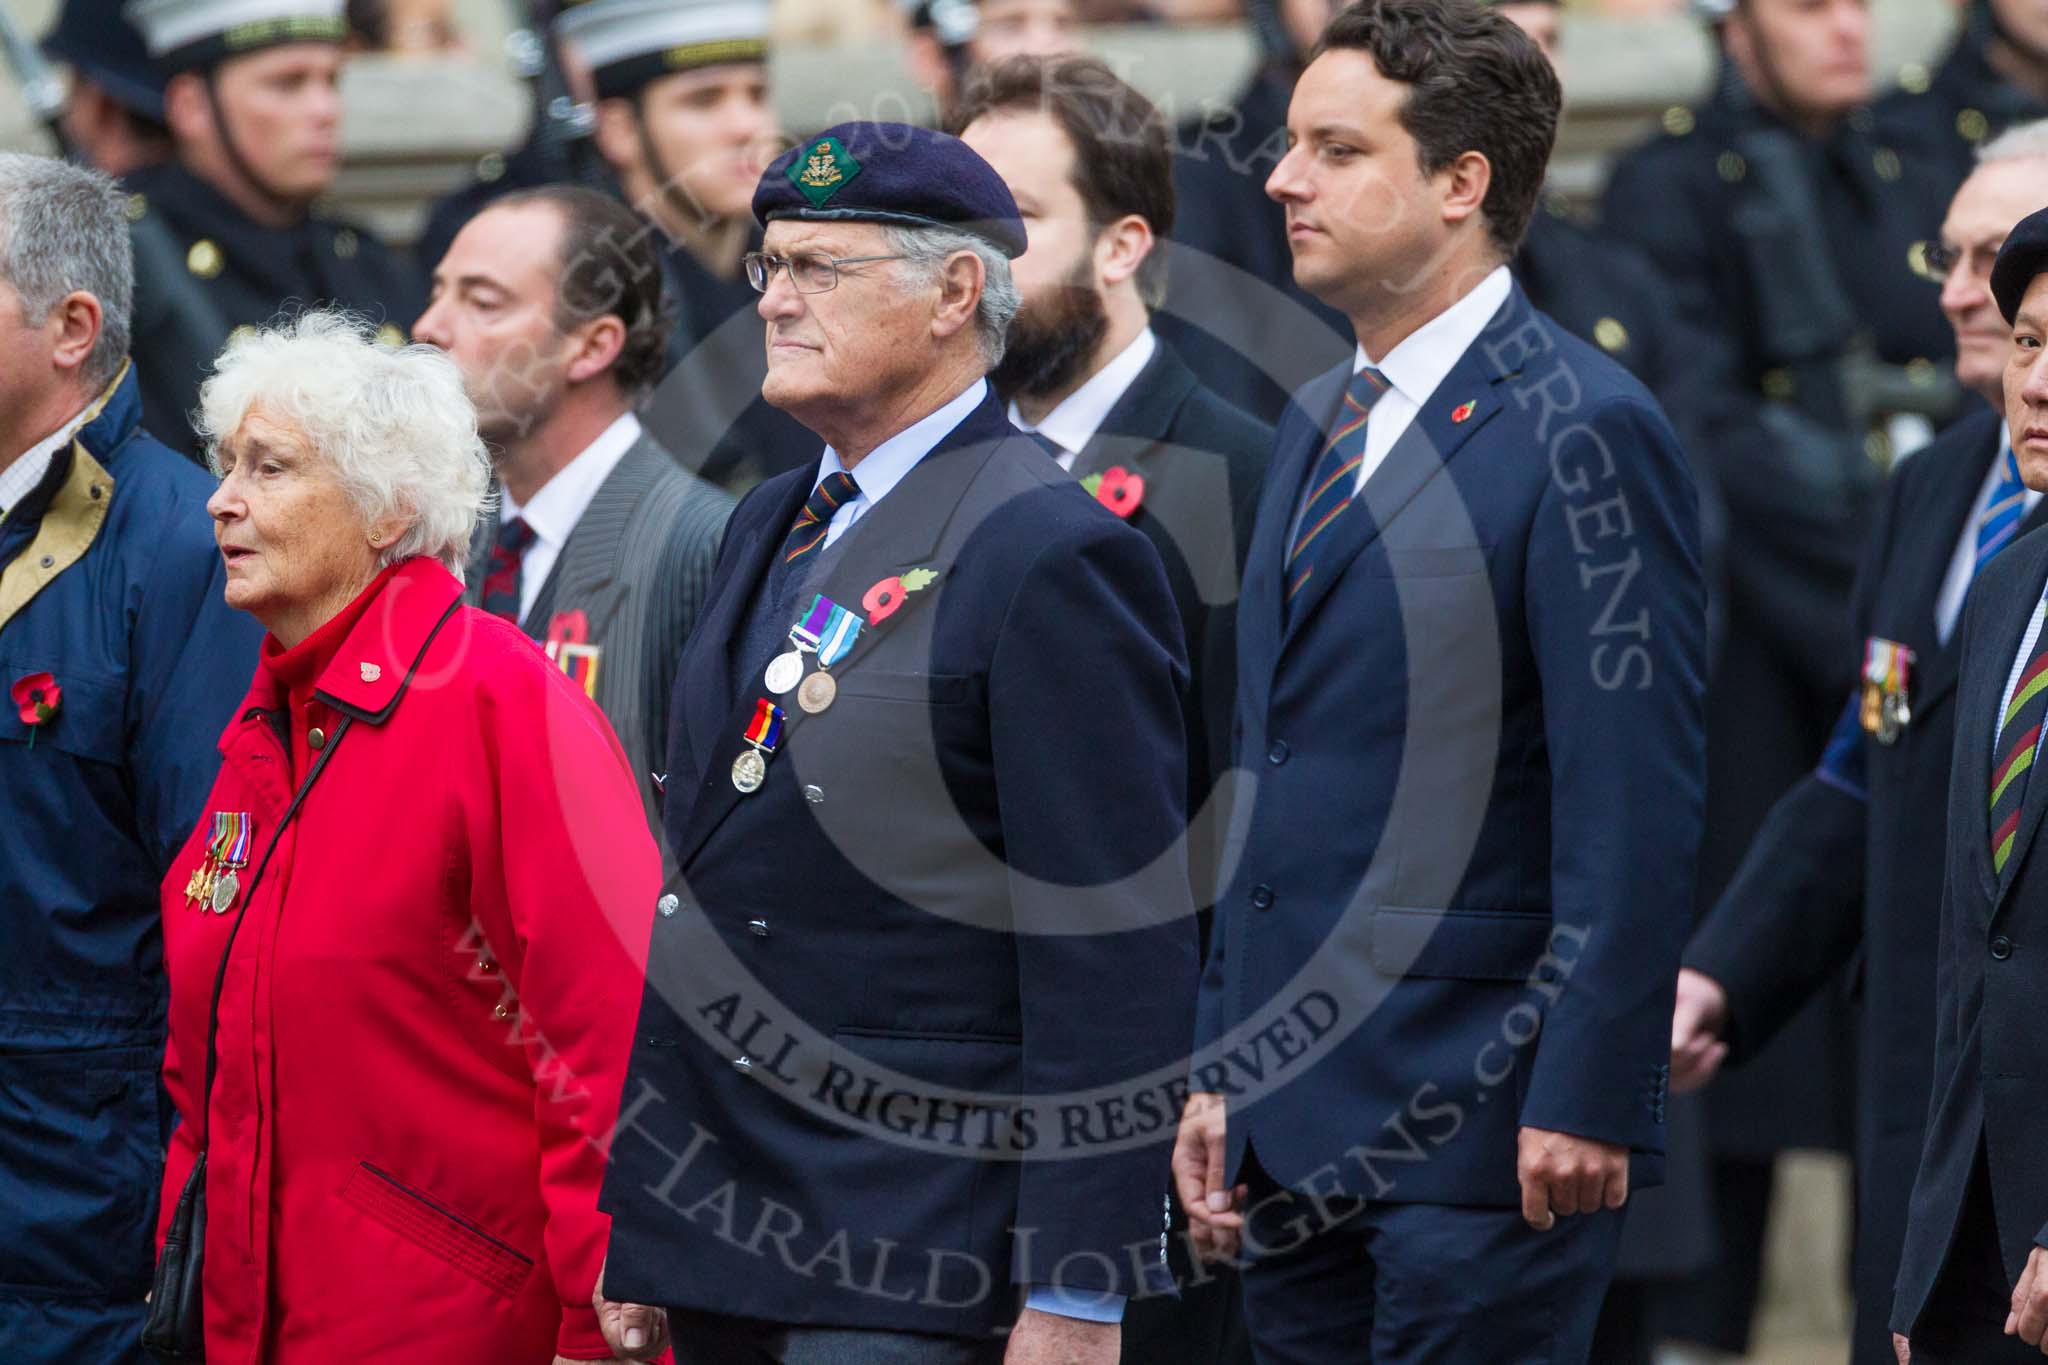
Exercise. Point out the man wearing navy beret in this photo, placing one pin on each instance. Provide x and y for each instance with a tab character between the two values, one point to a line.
917	1003
1973	1276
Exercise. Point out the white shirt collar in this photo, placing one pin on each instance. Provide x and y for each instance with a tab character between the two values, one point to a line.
19	479
560	503
1073	424
888	462
1419	362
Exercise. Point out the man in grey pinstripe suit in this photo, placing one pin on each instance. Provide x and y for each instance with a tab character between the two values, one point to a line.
552	302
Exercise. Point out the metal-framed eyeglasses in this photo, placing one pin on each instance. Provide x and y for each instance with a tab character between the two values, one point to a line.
810	272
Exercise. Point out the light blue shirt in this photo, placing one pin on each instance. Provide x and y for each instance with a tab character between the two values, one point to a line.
888	462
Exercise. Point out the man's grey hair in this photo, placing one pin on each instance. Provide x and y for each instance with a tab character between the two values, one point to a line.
2017	143
928	248
393	422
64	230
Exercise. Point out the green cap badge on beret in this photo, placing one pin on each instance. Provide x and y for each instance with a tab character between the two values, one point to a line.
823	171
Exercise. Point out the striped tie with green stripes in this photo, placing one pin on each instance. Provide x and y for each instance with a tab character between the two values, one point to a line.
2019	737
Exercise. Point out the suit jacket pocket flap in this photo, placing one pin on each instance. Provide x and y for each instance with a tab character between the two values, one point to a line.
1476	945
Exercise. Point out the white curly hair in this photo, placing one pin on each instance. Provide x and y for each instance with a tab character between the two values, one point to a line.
393	421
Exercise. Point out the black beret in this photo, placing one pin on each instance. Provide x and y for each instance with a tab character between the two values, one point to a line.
891	173
2024	255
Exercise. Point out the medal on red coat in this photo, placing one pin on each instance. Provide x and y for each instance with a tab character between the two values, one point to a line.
750	769
233	827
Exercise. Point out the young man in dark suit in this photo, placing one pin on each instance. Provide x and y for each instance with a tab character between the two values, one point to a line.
927	793
1850	861
1088	160
599	546
1973	1277
1433	1034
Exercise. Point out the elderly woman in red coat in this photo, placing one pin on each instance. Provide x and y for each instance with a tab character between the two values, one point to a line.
428	995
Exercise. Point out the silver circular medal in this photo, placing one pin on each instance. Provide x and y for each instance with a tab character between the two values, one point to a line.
749	771
785	671
818	692
224	892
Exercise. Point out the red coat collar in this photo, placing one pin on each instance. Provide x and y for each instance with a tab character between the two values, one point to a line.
376	661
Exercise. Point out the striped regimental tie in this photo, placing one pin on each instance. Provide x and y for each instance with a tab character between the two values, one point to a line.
2019	736
1335	479
501	587
2002	514
807	532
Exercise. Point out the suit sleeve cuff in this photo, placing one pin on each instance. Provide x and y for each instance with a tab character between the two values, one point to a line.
1087	1305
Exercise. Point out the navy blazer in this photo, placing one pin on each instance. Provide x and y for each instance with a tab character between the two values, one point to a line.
1991	970
1461	875
961	886
1848	867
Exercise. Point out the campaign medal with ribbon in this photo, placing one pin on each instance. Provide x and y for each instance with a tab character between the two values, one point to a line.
835	629
762	735
1885	710
231	837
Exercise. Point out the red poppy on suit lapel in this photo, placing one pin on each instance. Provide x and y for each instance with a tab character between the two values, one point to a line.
1118	489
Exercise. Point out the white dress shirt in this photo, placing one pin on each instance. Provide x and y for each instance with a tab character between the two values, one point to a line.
1073	424
1419	363
1962	565
560	503
19	479
888	462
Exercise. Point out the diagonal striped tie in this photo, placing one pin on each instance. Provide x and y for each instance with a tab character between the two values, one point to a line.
1335	478
2019	736
808	531
500	594
2002	514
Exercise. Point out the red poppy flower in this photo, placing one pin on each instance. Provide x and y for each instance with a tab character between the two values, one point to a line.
569	627
36	698
1120	490
883	599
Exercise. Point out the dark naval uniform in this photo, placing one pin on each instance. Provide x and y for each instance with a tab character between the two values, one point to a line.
708	408
231	272
1848	867
1233	310
1794	254
111	585
1946	115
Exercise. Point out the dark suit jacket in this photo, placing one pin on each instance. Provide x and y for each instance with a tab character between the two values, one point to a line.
1849	863
1478	752
1203	462
637	566
963	882
1991	971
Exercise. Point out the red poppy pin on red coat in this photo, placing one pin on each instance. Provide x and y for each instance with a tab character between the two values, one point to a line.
36	698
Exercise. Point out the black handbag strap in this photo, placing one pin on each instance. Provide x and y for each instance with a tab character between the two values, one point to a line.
220	976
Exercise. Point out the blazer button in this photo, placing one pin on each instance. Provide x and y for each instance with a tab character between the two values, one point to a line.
814	794
758	928
743	1064
1262	897
669	904
2001	947
1278	753
316	739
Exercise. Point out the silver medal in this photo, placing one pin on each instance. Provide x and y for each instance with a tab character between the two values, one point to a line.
785	671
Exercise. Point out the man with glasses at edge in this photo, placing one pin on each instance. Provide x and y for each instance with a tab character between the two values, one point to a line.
1850	860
